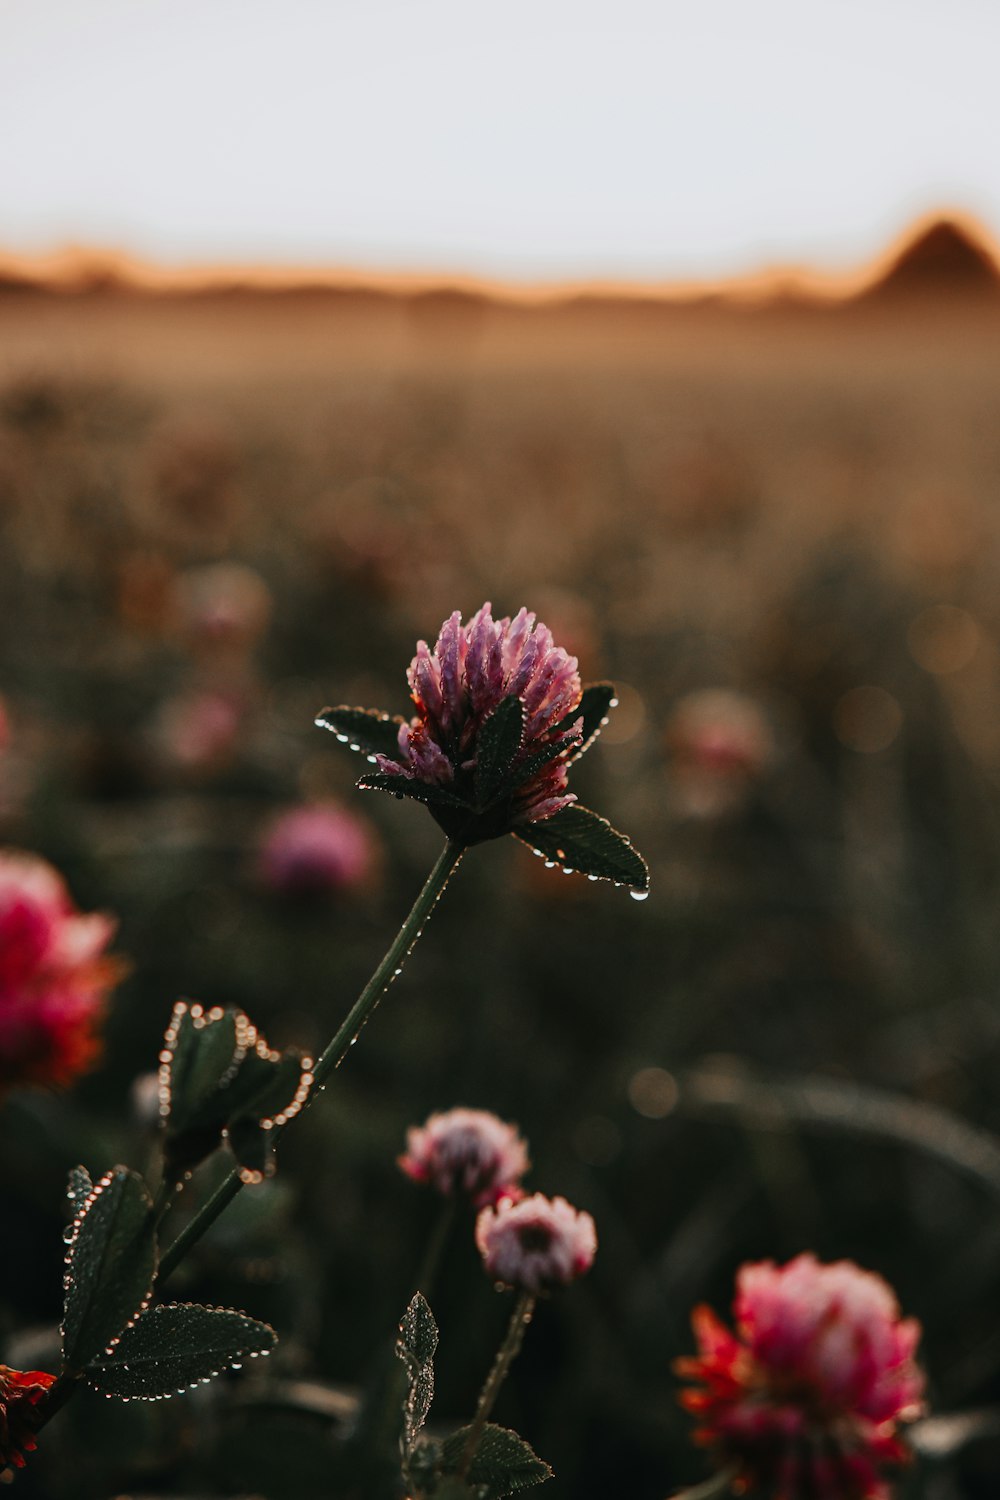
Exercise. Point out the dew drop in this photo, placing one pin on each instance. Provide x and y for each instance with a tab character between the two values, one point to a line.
550	864
639	895
343	738
593	877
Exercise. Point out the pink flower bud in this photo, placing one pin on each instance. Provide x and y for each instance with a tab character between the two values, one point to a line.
805	1398
536	1244
467	1151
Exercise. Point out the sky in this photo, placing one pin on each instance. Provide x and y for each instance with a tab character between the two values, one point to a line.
533	139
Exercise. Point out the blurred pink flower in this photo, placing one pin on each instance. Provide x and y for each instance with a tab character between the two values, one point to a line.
54	975
322	847
536	1244
719	741
223	606
200	731
467	1151
805	1398
459	684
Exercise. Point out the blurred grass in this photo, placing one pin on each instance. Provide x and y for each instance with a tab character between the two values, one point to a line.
798	508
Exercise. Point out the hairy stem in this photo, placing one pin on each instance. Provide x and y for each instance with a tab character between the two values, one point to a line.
506	1354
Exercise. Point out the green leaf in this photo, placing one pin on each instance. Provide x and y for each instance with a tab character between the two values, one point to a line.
408	786
497	743
416	1346
219	1075
502	1464
579	840
596	700
199	1058
363	729
110	1265
79	1187
534	763
176	1345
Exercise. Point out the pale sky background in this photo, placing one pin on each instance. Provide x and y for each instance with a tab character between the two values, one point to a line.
529	138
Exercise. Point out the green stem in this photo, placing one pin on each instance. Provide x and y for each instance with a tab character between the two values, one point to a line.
716	1488
338	1048
506	1354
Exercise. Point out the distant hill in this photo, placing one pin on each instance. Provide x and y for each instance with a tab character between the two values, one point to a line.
945	259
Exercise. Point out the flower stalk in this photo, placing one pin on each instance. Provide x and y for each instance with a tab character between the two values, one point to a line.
338	1047
524	1311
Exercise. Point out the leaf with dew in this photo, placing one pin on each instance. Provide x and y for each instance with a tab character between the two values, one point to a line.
409	786
110	1265
497	743
502	1464
578	839
596	701
174	1346
416	1346
364	729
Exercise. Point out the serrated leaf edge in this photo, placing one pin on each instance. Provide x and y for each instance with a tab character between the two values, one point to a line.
240	1354
345	739
96	1191
521	833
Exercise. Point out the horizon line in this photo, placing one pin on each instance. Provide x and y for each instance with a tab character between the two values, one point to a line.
80	269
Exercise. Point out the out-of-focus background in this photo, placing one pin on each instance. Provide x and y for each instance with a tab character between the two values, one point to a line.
768	514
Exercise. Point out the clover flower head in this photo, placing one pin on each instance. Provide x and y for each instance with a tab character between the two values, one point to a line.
469	1152
457	686
20	1393
500	717
806	1397
536	1244
317	848
54	975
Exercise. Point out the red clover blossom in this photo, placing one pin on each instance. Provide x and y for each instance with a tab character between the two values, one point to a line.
537	1244
20	1393
54	975
500	717
469	1152
805	1398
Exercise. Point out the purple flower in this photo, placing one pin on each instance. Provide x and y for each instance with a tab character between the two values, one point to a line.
536	1244
467	1151
500	717
464	680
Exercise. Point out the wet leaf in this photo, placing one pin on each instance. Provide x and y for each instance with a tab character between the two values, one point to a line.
110	1265
596	702
218	1076
497	743
177	1345
408	786
79	1187
364	729
416	1346
579	840
502	1464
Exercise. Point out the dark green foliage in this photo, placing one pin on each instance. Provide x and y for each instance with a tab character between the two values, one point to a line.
363	729
579	840
110	1265
174	1346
